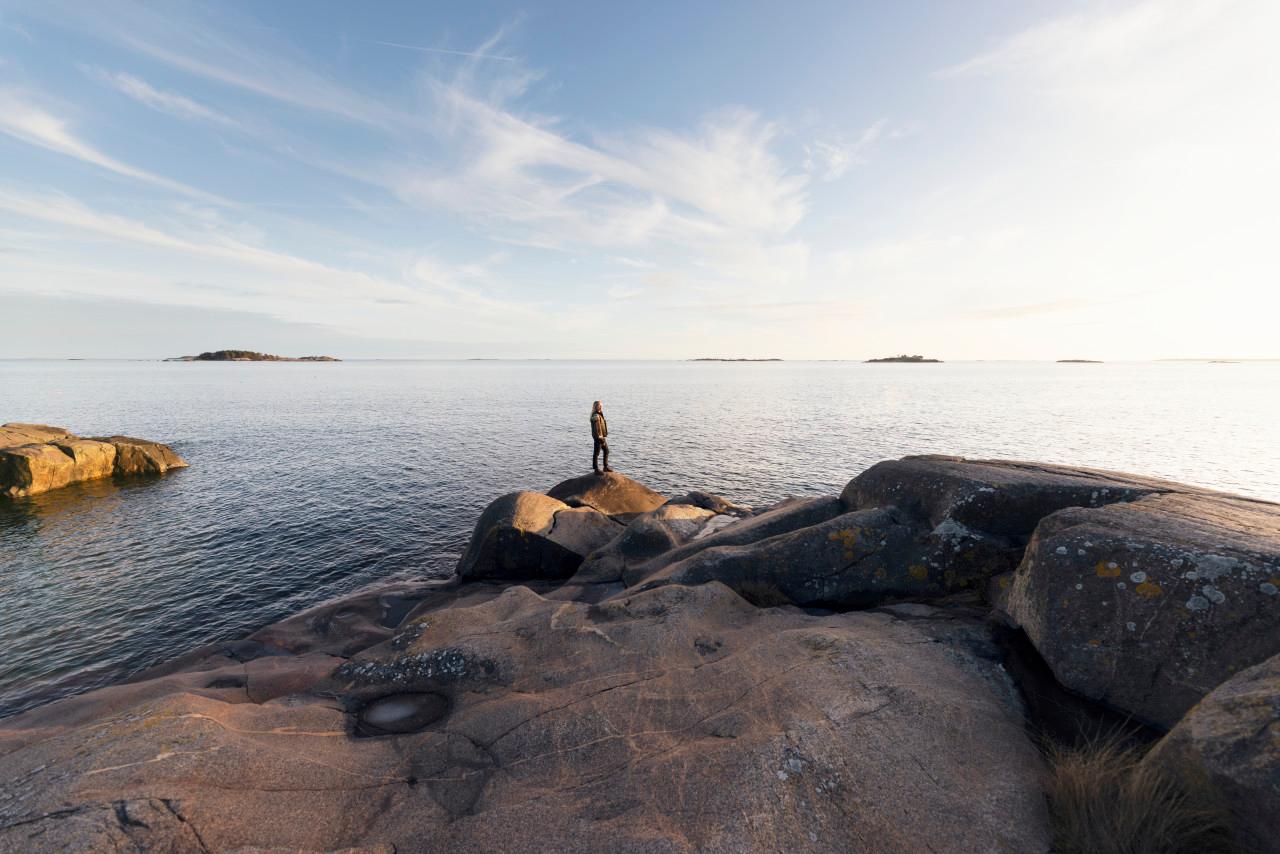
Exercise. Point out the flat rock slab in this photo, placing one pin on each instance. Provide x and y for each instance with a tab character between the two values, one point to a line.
36	458
679	719
26	434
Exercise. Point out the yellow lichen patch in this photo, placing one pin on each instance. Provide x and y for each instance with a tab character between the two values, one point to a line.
847	538
1095	642
881	573
1107	569
1003	582
1148	590
918	571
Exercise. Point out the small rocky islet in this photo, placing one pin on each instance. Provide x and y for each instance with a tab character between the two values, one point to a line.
616	669
249	356
36	458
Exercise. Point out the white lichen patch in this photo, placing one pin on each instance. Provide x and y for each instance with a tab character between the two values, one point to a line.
1213	594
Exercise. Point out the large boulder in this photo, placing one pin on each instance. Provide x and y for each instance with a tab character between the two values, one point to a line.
680	719
139	456
854	560
1149	605
528	535
975	517
1231	740
1002	498
645	537
790	515
610	493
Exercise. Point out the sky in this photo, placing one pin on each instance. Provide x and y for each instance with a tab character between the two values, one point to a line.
988	179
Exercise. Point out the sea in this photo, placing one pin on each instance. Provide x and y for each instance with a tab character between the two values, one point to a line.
311	480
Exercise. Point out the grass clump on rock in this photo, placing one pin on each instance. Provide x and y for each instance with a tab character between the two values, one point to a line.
1104	800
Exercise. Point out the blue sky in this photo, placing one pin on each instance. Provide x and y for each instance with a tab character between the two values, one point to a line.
809	180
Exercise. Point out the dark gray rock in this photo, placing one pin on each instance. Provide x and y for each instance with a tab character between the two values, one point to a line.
1001	498
854	560
1232	740
1147	606
789	515
645	537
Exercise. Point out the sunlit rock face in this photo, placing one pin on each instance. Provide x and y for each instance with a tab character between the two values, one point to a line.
679	719
528	535
689	675
36	458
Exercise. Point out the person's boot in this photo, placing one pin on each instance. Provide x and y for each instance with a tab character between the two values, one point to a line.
596	469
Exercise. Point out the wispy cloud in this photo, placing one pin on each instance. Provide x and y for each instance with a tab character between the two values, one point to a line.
212	43
1094	40
424	49
25	121
166	102
831	157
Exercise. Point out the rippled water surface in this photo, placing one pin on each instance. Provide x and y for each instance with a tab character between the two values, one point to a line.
310	480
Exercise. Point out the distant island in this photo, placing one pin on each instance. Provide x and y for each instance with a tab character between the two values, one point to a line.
1079	362
249	356
904	358
712	359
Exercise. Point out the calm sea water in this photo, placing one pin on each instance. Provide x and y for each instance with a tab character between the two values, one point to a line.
310	480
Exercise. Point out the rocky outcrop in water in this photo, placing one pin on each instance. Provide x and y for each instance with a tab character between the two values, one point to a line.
829	674
35	458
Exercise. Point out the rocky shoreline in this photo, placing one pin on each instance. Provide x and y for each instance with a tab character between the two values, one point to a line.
36	458
614	669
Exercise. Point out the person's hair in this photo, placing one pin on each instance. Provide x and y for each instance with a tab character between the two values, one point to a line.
596	407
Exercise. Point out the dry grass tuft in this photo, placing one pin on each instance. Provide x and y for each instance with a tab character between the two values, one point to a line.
1103	800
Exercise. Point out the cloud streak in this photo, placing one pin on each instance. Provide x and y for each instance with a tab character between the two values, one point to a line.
165	102
29	123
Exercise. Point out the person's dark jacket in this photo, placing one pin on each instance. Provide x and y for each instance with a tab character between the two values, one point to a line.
599	427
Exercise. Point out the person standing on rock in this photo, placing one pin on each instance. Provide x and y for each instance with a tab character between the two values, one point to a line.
599	433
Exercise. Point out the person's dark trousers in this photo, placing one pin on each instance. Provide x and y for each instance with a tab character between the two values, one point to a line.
601	445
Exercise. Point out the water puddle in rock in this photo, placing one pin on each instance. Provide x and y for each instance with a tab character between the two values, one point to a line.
400	713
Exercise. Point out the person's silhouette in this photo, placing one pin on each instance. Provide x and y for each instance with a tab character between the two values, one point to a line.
599	433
